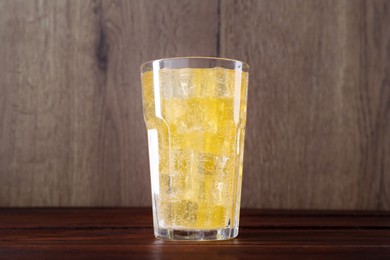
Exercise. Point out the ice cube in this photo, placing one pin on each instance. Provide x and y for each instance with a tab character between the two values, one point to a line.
166	83
211	164
184	213
176	83
224	82
186	86
180	161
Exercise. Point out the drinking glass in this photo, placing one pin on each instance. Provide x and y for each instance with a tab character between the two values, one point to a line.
195	115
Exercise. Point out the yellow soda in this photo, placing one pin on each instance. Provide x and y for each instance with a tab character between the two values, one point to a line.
197	118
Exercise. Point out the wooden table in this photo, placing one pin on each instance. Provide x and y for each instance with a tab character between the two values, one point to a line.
127	233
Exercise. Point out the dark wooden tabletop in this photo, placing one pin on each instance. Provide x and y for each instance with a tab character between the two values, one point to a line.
127	233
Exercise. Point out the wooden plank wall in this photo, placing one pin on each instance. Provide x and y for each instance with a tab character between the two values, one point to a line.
71	125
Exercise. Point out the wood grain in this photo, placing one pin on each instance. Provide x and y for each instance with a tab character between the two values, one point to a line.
127	232
318	129
72	130
106	218
319	101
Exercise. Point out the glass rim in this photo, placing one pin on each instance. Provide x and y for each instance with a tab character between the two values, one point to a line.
148	65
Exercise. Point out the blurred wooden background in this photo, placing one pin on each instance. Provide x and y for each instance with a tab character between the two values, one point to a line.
71	124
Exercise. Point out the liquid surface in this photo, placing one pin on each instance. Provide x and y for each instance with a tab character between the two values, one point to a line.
195	120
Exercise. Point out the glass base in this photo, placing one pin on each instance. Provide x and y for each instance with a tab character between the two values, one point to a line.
183	234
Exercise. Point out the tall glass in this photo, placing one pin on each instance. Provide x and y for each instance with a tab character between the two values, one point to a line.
195	114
